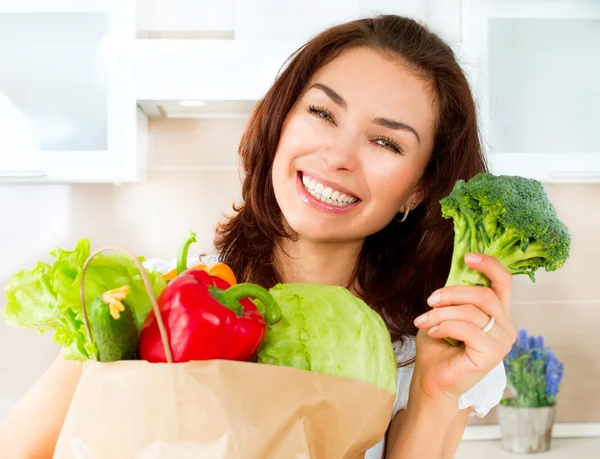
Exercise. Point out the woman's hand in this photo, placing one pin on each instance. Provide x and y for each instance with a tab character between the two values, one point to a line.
444	372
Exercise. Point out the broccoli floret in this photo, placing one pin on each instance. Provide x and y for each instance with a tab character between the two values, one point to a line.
509	218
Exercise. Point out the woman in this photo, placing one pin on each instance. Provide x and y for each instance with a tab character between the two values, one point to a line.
346	159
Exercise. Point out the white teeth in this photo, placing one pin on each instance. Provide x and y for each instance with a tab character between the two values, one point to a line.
325	193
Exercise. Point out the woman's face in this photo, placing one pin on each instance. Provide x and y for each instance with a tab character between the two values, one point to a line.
353	148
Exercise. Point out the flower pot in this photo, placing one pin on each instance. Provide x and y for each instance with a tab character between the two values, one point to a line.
526	430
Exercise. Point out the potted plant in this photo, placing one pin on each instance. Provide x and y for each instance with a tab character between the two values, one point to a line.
533	374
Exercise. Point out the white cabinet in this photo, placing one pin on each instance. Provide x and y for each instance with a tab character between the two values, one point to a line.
229	53
195	18
74	74
300	20
536	72
67	99
235	56
207	70
295	21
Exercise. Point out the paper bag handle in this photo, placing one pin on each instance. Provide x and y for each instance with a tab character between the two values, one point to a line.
147	284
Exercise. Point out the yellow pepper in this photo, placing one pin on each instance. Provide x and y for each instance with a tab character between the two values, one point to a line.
220	270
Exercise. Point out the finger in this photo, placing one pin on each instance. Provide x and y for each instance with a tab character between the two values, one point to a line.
477	342
464	312
500	277
483	298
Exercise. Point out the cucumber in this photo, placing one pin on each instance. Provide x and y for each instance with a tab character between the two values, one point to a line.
113	327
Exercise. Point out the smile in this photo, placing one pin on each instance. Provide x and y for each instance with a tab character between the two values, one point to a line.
327	194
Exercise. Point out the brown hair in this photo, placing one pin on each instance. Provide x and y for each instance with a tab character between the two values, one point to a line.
402	264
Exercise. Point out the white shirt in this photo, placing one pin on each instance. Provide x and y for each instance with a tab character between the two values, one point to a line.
481	398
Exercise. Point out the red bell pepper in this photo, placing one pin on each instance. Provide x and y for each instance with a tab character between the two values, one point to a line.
206	318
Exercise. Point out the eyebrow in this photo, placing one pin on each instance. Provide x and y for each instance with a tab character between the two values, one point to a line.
339	100
392	124
384	122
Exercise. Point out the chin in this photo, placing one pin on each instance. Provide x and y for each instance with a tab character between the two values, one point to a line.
311	229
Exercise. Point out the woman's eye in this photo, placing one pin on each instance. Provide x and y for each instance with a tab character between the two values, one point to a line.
388	143
321	113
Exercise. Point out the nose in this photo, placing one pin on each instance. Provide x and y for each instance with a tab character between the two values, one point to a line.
341	154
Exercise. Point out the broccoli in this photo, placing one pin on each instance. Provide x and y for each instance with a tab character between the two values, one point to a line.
509	218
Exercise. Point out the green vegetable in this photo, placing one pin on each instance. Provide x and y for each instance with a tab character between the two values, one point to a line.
47	297
113	326
327	329
509	218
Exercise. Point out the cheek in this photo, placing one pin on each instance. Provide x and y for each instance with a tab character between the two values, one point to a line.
300	136
391	182
291	145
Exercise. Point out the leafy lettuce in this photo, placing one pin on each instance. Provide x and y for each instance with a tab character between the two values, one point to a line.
327	329
47	297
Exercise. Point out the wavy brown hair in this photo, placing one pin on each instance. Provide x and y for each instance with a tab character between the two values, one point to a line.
402	264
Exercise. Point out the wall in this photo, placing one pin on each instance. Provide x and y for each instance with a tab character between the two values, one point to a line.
564	306
193	181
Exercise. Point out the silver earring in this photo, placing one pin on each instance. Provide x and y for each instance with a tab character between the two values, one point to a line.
407	209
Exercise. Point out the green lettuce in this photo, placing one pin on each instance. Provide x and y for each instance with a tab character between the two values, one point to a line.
327	329
47	297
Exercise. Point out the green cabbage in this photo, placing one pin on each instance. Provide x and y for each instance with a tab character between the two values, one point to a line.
47	297
327	329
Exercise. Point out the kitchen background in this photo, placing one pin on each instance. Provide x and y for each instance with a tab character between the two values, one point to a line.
120	122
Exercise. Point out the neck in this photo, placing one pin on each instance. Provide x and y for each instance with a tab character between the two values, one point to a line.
324	263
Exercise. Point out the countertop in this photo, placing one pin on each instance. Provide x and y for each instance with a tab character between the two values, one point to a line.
563	448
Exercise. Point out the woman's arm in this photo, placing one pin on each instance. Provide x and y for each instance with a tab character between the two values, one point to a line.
432	425
426	431
456	433
31	429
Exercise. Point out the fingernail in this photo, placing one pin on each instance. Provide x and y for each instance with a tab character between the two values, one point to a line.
433	299
472	258
432	330
421	319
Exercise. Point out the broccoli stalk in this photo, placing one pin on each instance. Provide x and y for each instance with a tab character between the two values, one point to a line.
509	218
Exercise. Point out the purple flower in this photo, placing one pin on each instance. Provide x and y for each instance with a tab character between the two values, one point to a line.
537	347
551	361
540	343
522	340
513	354
554	373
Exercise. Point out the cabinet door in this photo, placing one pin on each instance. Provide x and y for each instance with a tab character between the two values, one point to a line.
536	80
65	99
295	21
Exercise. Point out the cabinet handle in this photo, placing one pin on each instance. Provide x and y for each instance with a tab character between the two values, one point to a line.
21	174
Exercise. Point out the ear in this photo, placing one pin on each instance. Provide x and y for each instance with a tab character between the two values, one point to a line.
417	196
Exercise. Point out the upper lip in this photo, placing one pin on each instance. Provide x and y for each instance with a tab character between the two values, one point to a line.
330	183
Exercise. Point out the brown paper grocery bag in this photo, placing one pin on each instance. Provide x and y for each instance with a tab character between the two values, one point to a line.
218	409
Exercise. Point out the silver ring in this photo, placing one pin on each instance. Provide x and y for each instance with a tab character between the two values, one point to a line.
489	325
